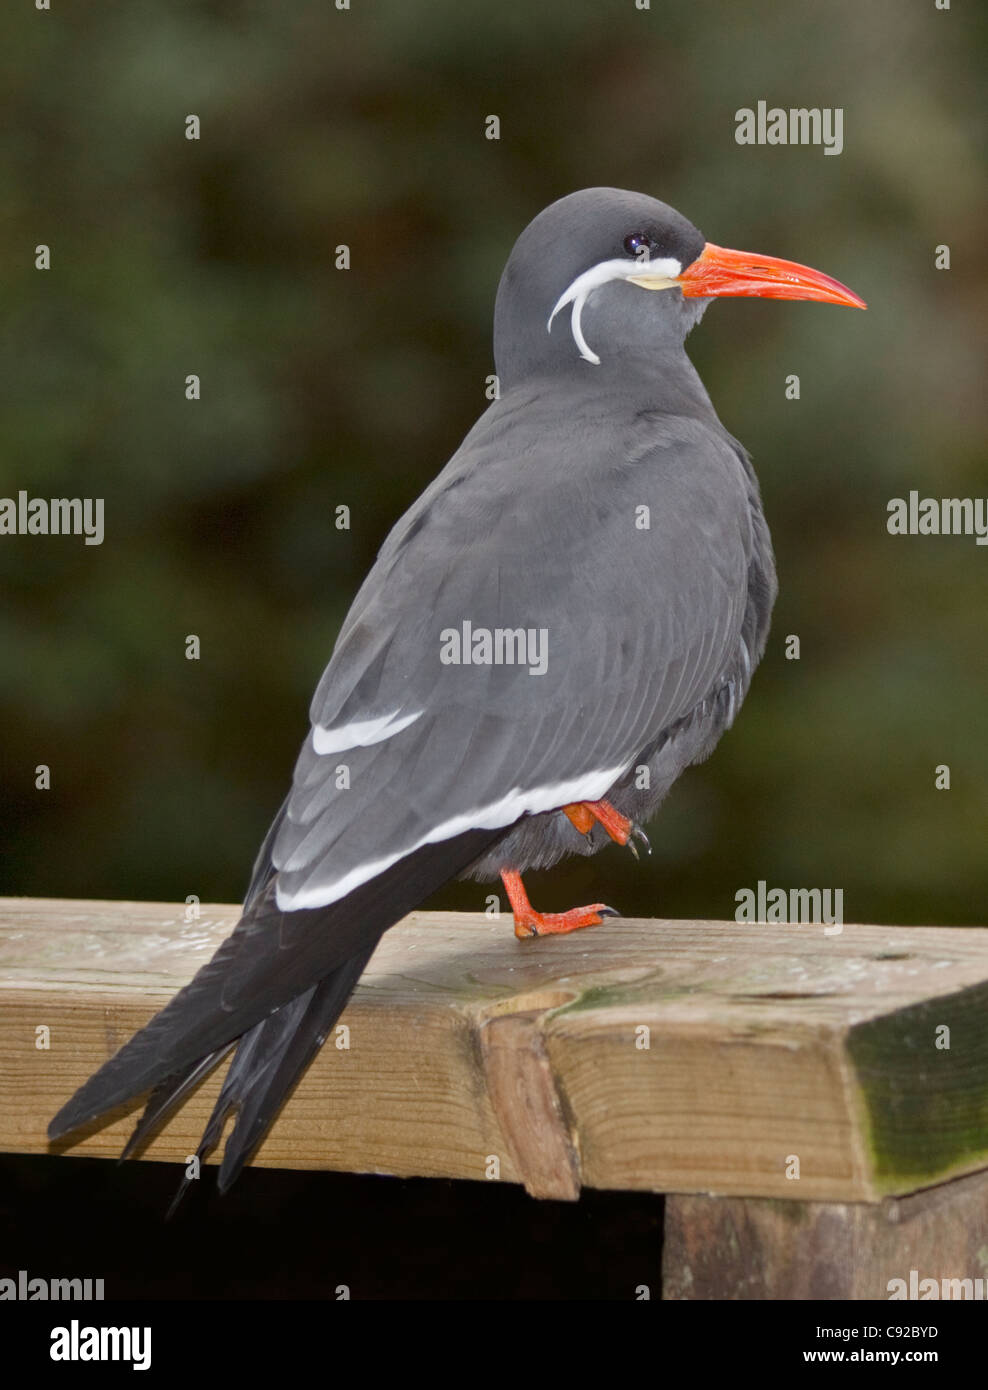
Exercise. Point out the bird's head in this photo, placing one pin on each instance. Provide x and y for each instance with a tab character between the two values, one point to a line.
575	285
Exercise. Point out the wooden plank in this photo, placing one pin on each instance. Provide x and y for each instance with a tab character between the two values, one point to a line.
474	1055
718	1248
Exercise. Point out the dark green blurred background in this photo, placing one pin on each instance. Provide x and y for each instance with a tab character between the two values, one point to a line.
322	387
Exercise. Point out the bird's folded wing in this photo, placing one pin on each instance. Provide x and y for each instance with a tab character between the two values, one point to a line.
517	645
425	761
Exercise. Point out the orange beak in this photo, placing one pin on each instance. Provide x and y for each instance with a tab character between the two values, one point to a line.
718	271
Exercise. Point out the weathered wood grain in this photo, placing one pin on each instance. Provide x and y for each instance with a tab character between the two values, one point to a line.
473	1054
744	1248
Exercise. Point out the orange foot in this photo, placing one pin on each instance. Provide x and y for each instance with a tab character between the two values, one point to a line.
528	922
622	831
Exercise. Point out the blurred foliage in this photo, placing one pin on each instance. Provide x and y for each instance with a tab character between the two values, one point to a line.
323	387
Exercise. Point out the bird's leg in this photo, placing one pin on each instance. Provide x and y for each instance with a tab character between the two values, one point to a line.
581	815
622	830
528	922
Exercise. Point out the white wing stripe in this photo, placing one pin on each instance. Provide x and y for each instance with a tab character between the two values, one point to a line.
494	817
361	733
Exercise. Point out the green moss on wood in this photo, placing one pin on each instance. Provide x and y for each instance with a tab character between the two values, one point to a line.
925	1107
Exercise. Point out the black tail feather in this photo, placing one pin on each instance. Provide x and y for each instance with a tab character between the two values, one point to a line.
269	1061
166	1097
272	958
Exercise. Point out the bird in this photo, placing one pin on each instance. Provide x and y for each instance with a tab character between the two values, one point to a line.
568	617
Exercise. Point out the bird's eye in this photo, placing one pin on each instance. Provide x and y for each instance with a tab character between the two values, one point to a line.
639	244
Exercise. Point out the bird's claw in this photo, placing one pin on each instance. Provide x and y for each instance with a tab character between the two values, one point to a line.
637	833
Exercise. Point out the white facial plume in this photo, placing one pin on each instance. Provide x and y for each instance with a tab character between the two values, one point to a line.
651	275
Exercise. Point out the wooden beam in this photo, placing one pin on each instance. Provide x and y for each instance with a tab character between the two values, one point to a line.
673	1056
931	1244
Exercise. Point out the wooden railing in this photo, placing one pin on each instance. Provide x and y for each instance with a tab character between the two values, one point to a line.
725	1065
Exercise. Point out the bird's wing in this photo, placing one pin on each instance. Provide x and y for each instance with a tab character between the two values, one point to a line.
622	579
633	565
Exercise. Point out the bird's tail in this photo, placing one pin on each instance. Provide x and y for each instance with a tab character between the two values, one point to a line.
268	1062
273	991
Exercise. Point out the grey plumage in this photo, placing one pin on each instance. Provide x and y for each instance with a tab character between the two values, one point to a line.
602	502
